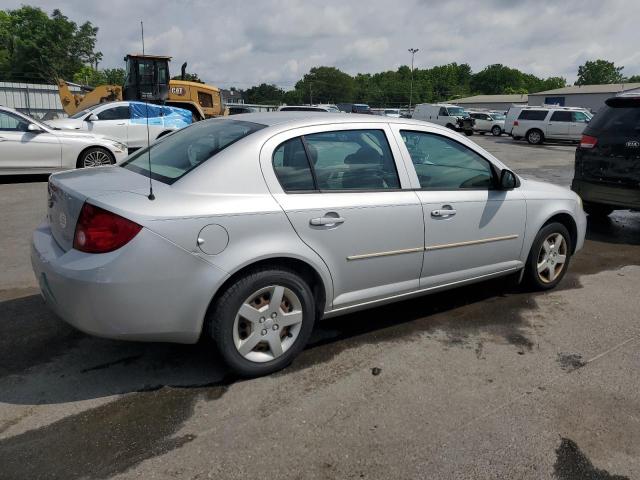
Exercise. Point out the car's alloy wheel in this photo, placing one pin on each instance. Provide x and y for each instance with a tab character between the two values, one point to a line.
552	258
496	131
267	324
549	257
263	320
534	137
96	157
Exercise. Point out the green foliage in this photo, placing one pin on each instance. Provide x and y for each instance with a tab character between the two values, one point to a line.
326	85
189	77
599	72
633	79
264	94
38	47
90	76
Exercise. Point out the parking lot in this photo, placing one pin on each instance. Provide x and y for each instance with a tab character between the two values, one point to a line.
486	381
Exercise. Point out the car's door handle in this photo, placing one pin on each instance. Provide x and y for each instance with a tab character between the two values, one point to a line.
326	221
121	123
443	212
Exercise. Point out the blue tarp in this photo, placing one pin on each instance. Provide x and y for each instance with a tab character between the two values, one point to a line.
160	115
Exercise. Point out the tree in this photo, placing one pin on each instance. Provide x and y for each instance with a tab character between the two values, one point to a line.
38	47
189	77
326	85
633	79
88	75
598	72
265	94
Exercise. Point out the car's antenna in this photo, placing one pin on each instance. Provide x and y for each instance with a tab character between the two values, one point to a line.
151	196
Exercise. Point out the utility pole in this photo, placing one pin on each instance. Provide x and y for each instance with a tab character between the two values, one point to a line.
413	52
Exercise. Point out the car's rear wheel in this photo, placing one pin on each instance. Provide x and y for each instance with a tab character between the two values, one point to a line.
496	131
549	257
95	157
597	210
468	133
263	321
535	137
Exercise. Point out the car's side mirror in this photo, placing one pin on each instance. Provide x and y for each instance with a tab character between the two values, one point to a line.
33	128
92	118
508	180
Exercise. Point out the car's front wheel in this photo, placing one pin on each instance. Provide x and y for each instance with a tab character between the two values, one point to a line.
263	321
496	131
95	157
549	257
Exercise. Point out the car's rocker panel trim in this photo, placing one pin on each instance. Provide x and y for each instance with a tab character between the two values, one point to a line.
364	256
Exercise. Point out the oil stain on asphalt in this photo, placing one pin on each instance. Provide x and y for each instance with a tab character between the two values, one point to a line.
573	464
106	440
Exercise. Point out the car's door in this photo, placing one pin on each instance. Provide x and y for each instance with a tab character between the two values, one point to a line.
471	228
558	126
342	190
24	149
111	121
578	123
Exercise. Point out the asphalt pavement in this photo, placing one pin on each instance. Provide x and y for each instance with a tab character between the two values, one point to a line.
486	381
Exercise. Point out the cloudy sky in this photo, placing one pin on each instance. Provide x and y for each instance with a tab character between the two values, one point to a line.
243	43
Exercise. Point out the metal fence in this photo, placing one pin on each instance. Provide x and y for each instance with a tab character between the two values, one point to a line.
37	100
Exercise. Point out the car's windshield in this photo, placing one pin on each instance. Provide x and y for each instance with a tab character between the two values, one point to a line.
82	113
179	153
621	120
456	112
361	108
497	116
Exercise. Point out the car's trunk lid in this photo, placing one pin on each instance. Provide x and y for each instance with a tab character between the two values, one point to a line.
67	192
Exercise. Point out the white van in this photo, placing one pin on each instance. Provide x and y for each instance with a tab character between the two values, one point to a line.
445	114
554	123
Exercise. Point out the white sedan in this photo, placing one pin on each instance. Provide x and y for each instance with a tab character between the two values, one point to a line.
125	121
28	146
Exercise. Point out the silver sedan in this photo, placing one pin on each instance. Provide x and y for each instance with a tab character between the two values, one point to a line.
260	224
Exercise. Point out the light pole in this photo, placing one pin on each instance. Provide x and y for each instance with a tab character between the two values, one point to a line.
413	52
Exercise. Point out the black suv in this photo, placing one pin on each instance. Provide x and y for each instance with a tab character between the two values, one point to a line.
607	166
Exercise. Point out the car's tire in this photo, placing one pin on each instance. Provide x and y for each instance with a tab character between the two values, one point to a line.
496	131
535	136
468	133
95	157
256	342
450	126
597	210
549	257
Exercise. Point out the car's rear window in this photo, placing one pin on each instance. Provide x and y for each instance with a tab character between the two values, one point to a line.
533	115
622	120
179	153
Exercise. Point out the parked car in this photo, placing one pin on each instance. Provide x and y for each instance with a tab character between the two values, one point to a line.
607	165
303	108
29	146
355	108
126	121
238	109
262	235
488	122
445	114
330	107
536	124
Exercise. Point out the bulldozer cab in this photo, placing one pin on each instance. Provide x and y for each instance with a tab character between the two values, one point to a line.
147	78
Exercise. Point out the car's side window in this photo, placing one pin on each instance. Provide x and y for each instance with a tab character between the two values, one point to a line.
579	117
444	164
561	116
115	113
12	123
443	112
292	166
352	160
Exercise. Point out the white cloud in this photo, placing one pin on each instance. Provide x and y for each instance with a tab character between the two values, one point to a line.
253	41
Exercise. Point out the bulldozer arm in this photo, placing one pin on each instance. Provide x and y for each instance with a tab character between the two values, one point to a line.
75	102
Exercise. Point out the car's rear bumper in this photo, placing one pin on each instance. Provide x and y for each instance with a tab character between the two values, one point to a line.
148	290
616	196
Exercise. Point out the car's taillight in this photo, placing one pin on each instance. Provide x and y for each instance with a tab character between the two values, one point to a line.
515	123
101	231
588	141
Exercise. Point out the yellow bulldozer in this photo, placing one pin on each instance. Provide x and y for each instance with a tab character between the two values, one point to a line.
148	79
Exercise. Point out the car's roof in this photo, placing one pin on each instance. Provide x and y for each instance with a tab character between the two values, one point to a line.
297	119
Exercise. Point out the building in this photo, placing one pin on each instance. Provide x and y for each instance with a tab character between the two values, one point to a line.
591	97
231	96
491	102
36	100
